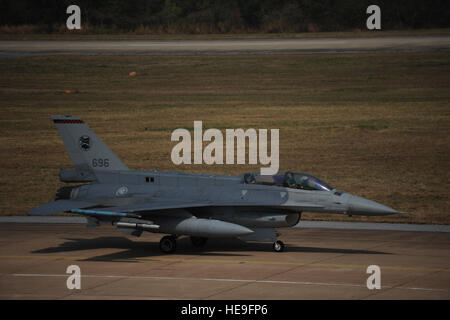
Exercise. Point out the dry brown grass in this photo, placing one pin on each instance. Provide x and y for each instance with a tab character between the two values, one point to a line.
373	125
38	32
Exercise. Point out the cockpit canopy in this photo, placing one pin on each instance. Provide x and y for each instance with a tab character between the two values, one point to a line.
295	180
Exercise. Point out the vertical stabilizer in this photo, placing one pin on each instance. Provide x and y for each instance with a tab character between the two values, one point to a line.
85	149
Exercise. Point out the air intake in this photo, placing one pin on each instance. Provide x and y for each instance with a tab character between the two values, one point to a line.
66	193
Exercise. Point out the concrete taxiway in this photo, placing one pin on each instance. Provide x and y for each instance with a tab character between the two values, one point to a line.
317	264
228	46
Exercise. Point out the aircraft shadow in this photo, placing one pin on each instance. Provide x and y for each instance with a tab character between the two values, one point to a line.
133	250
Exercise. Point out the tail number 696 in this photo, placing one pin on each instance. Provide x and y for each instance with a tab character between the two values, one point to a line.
101	163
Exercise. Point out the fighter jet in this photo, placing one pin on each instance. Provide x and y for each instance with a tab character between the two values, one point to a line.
247	206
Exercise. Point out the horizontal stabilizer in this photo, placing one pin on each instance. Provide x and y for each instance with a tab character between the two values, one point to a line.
59	206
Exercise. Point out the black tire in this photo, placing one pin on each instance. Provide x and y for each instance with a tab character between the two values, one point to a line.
198	241
278	246
168	244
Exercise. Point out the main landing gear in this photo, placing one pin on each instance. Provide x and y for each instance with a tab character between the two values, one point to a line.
168	244
278	246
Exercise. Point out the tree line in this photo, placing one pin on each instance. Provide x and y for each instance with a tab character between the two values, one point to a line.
215	16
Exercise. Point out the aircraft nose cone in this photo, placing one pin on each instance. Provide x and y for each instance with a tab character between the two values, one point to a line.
358	205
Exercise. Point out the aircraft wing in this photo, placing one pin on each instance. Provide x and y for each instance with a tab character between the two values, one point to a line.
59	206
78	206
174	204
135	210
158	205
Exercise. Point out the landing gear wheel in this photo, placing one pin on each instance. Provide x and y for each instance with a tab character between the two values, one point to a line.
278	246
198	241
168	244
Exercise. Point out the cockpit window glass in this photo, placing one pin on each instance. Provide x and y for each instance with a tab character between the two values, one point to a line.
295	180
306	181
255	178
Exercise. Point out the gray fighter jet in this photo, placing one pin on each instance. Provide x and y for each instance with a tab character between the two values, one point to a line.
247	206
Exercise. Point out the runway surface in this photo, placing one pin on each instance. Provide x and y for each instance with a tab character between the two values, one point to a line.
228	46
317	264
